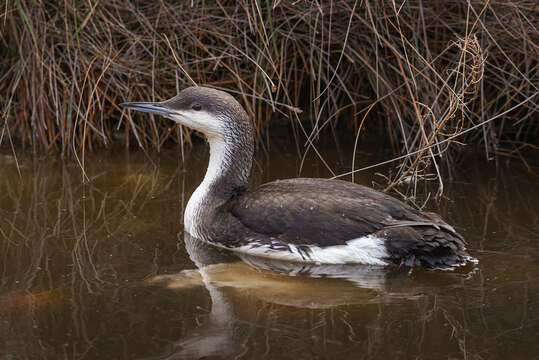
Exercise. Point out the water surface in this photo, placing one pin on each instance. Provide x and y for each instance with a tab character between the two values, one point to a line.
102	270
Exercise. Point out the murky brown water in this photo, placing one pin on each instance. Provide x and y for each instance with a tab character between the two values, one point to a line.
102	271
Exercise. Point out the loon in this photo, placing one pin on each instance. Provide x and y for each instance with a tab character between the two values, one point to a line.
309	220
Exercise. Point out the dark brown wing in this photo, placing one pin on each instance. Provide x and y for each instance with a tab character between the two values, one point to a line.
319	211
326	212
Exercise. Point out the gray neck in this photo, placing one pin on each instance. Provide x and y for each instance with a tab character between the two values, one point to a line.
227	174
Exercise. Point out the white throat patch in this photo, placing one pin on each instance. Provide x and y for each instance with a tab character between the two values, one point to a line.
212	127
202	121
199	196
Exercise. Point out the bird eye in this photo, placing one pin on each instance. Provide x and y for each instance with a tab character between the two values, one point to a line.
196	107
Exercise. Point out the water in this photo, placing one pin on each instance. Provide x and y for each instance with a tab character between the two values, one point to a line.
102	270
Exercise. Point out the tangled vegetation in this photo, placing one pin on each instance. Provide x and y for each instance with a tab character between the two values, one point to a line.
429	75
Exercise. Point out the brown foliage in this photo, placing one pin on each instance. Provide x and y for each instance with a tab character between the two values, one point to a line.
424	72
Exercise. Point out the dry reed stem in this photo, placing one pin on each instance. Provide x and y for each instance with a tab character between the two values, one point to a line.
433	69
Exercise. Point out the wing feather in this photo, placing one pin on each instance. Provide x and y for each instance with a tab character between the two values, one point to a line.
322	212
319	211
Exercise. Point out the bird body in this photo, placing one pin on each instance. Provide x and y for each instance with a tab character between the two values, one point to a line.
303	220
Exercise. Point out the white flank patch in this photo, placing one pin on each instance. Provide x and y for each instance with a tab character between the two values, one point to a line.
365	250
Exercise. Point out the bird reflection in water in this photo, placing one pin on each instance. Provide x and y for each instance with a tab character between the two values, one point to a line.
237	283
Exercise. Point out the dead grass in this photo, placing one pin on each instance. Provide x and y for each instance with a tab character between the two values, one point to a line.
428	75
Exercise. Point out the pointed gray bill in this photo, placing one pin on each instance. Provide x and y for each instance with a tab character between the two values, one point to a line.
153	108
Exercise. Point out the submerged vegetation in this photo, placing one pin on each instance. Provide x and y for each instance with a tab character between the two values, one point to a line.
429	75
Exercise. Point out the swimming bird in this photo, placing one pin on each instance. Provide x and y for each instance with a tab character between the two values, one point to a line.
309	220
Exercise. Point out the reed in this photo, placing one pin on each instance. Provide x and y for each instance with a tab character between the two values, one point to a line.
430	76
